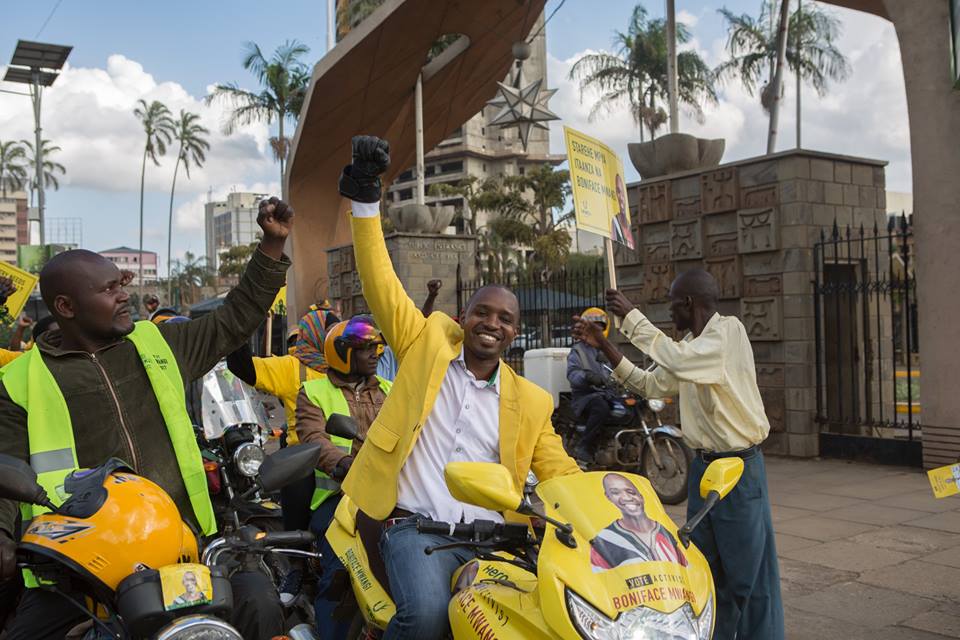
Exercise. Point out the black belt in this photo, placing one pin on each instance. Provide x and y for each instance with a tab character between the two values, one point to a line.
396	517
745	454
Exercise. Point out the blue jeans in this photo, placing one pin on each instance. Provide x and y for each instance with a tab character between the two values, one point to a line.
419	583
328	597
737	539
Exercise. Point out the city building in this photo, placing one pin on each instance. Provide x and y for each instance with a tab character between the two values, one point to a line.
129	259
481	151
13	210
230	223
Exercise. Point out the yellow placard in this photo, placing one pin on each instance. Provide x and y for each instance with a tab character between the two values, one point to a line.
599	188
24	281
279	306
945	481
185	585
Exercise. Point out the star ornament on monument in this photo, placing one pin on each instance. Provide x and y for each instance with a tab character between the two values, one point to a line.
523	108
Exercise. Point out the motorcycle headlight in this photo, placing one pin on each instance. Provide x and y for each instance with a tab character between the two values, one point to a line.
248	457
641	623
656	405
199	628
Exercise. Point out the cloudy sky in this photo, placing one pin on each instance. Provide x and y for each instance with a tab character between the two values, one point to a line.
175	51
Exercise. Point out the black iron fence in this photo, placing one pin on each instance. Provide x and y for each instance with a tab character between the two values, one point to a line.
547	306
867	369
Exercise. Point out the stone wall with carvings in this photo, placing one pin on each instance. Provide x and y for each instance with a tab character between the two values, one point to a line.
753	225
417	259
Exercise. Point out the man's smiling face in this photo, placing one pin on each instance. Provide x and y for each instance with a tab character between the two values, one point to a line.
490	322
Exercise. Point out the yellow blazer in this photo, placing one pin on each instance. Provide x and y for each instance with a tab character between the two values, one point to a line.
425	347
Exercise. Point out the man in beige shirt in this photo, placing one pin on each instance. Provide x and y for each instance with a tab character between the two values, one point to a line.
721	414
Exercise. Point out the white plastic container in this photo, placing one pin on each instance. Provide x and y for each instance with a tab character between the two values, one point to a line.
548	369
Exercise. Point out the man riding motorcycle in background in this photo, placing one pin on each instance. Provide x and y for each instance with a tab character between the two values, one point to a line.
103	386
352	388
453	400
587	377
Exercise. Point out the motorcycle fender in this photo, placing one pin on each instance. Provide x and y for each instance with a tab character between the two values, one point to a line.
667	429
376	605
492	611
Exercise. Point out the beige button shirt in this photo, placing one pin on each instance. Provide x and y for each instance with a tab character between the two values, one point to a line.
714	375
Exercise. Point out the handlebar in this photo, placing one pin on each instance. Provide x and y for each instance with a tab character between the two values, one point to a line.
286	539
476	531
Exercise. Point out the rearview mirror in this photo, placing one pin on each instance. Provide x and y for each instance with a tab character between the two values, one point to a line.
288	465
484	484
342	426
722	475
18	481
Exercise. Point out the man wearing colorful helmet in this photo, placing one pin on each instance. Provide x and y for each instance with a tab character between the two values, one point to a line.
352	351
587	377
453	399
107	386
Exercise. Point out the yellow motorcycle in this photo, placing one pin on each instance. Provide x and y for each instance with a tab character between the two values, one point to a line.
607	563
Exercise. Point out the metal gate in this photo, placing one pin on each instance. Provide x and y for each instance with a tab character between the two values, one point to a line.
867	368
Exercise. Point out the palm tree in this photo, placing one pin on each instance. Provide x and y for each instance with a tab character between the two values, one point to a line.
159	128
636	74
193	148
283	78
192	274
811	49
50	168
13	168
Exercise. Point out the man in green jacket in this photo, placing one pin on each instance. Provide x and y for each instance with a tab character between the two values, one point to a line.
97	362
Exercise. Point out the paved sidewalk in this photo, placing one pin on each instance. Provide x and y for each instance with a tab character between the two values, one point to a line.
866	552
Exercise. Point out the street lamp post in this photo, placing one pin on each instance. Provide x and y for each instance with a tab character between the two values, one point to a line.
37	64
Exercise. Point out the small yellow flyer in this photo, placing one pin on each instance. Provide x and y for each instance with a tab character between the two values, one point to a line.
25	283
185	585
944	480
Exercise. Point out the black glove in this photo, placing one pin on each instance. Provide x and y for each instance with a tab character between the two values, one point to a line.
343	467
595	379
360	181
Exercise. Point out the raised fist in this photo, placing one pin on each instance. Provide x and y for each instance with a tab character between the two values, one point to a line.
360	181
275	217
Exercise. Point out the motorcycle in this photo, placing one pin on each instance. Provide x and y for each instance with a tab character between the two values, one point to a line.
629	442
144	581
232	440
579	575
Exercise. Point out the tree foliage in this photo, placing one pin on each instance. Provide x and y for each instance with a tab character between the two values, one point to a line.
234	260
636	74
811	49
13	166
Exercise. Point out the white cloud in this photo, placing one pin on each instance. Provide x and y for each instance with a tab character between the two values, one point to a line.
687	18
865	116
89	114
189	215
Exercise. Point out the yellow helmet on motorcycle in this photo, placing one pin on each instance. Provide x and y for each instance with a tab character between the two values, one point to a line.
358	332
594	314
113	524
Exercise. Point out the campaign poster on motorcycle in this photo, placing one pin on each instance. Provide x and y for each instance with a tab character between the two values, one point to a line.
185	585
634	550
599	188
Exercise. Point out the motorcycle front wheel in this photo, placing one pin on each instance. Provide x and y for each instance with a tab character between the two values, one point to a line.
669	479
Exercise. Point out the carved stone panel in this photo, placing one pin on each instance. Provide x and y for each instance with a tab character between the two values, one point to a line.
333	286
346	259
760	197
762	317
758	230
770	375
654	203
767	285
656	282
723	244
686	239
719	191
686	207
656	247
656	252
762	264
775	405
726	271
634	294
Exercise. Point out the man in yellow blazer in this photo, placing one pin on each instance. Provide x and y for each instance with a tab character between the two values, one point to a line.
453	399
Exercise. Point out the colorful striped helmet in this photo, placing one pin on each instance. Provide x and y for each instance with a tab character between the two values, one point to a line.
593	314
358	332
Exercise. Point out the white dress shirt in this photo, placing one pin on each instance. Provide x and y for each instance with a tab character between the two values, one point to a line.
714	375
464	425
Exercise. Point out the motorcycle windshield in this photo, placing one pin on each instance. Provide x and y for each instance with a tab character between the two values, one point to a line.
228	401
628	554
